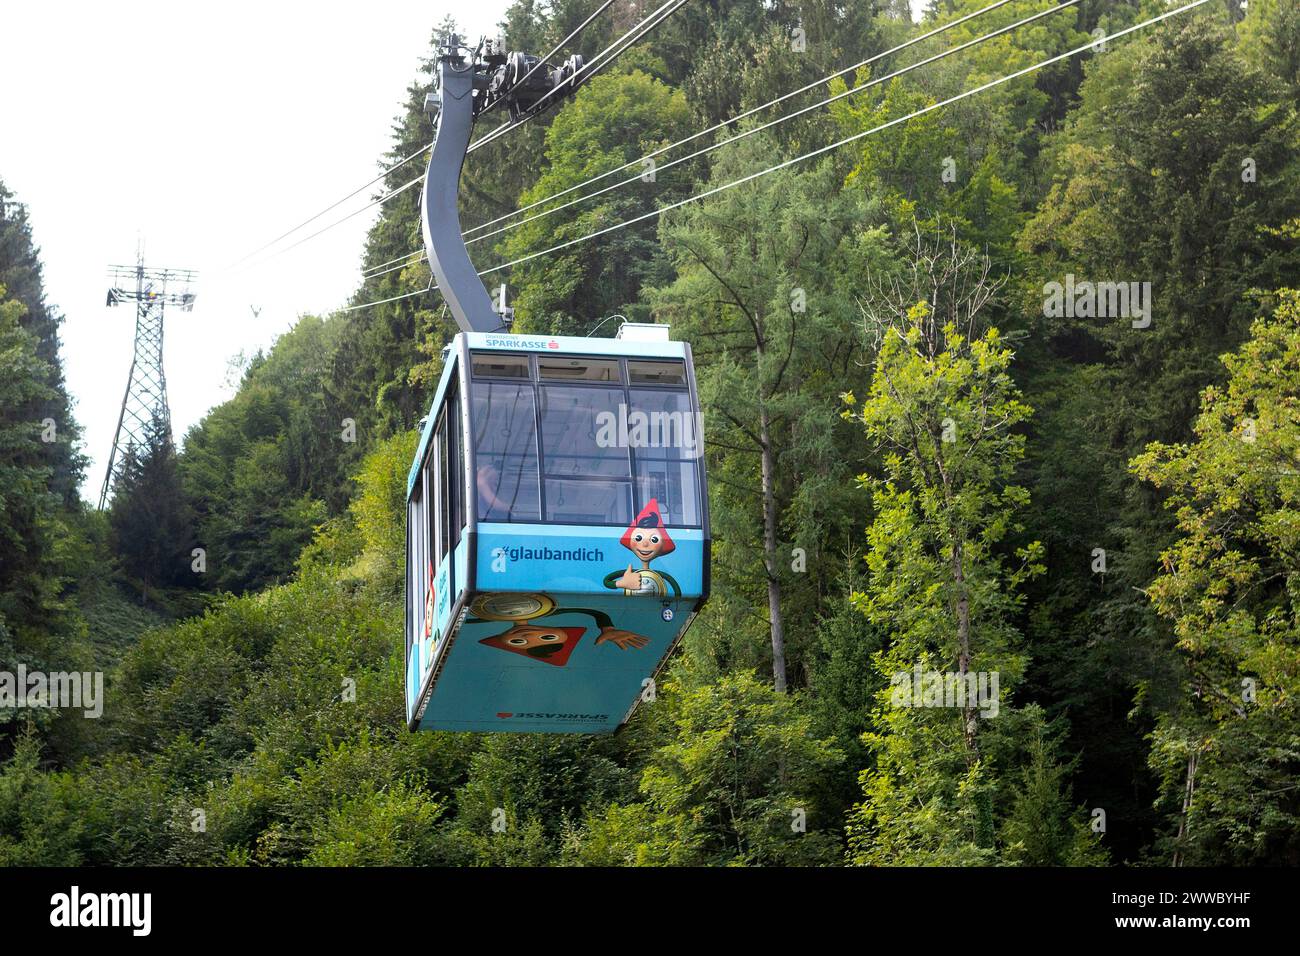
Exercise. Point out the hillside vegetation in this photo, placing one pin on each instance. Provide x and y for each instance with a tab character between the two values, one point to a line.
916	461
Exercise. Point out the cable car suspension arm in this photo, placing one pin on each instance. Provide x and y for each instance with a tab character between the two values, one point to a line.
469	84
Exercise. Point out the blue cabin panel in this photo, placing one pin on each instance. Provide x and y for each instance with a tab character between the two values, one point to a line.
584	560
551	662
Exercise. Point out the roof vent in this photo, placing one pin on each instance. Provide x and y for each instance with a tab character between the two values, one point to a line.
642	332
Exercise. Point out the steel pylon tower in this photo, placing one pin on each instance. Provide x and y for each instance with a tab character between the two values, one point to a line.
146	386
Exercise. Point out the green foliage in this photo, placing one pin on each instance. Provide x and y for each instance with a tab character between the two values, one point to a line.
525	792
34	831
1230	586
38	626
21	274
379	508
26	506
1270	33
261	468
1042	828
842	680
1145	182
120	809
946	414
114	618
964	166
612	121
1166	193
268	729
761	292
736	786
394	827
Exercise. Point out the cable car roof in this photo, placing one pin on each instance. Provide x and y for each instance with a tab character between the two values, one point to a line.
571	344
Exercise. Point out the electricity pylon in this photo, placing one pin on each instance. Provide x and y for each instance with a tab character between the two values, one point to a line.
146	387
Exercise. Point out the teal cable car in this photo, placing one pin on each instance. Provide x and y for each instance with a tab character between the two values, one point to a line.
557	517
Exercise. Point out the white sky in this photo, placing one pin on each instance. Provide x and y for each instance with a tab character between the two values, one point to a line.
205	130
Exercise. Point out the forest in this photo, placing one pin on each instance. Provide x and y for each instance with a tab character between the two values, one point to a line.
1010	385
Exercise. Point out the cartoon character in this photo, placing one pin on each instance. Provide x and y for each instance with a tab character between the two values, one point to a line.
553	645
647	538
545	642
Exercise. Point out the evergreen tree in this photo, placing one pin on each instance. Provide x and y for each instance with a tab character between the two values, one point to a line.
20	273
263	470
1270	32
760	293
150	517
31	608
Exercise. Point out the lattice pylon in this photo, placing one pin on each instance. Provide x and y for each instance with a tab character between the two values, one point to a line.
146	387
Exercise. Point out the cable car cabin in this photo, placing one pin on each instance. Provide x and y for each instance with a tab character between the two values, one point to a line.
557	531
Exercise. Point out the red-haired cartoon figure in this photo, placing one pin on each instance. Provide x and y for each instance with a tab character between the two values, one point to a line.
429	606
647	538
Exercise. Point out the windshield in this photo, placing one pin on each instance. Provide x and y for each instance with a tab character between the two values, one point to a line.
584	440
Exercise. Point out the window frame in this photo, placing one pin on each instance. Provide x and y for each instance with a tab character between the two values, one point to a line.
697	463
412	579
543	476
418	585
475	454
455	466
430	488
440	478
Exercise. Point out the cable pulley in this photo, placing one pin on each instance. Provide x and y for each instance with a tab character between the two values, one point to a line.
518	81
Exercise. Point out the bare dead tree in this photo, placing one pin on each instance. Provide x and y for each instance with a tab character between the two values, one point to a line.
953	279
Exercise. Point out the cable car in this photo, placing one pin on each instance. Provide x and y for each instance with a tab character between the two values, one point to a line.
557	542
557	531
